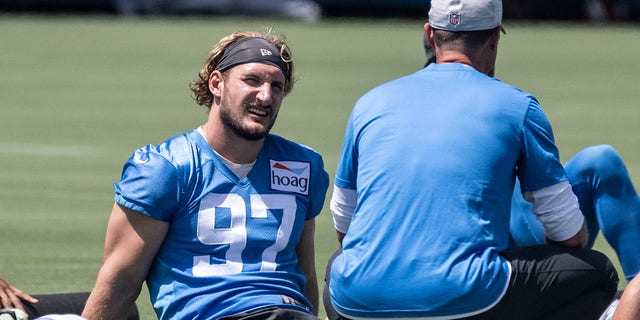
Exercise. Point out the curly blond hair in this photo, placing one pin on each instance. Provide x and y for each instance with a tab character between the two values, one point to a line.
200	86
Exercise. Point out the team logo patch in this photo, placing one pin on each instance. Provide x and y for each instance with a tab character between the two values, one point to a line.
292	176
454	18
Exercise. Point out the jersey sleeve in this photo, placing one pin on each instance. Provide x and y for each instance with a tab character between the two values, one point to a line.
557	208
320	186
148	184
347	170
540	166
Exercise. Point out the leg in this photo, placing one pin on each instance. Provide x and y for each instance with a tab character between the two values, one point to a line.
332	314
63	303
525	230
609	202
57	304
629	306
553	282
607	199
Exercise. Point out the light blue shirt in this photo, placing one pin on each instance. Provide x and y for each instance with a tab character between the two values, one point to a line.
231	243
433	158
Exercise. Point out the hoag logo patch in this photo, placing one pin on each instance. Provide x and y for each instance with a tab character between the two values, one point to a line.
292	176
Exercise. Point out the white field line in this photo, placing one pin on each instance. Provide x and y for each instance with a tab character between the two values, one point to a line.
9	148
55	194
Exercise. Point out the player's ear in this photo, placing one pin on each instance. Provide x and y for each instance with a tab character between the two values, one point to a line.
215	83
495	38
428	35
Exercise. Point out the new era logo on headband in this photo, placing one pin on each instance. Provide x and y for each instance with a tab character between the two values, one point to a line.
248	50
265	52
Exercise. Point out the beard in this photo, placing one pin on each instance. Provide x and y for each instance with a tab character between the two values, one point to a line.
234	123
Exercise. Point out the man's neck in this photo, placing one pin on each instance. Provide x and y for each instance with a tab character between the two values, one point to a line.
477	60
231	147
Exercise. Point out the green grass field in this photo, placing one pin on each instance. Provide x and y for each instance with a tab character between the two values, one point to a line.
79	94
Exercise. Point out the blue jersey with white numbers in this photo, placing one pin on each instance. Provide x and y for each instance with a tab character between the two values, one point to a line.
433	157
231	243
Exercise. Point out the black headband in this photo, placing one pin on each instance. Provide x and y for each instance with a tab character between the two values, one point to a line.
247	50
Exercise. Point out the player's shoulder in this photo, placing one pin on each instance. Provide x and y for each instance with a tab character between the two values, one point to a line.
510	89
397	85
289	148
174	151
391	92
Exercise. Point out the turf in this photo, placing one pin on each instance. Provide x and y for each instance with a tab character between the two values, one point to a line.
79	94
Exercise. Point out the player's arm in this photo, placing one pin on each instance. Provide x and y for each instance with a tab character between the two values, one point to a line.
343	204
579	240
10	296
557	208
629	305
131	243
307	262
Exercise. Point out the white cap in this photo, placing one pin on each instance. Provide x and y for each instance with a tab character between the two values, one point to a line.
465	15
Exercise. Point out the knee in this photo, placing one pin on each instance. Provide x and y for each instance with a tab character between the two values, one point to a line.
600	156
609	274
601	160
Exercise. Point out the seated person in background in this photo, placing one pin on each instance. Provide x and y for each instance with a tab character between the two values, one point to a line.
608	201
38	306
12	297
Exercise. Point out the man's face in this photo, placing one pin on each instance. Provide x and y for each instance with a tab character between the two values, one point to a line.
251	98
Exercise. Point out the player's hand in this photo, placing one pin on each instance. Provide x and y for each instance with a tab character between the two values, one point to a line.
10	296
579	240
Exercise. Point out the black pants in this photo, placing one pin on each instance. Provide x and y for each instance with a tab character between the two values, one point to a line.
271	313
547	282
63	303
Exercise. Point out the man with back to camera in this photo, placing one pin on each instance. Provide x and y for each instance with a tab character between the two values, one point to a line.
219	221
605	192
610	204
423	189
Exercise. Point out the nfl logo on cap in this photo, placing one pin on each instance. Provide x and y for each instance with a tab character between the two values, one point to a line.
465	15
454	18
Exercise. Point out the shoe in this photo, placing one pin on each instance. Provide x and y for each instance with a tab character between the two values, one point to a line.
607	314
13	314
60	317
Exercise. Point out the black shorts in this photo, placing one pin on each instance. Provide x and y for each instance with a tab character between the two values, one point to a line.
554	282
271	313
547	282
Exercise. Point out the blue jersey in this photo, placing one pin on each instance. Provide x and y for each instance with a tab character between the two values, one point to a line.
231	242
433	157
